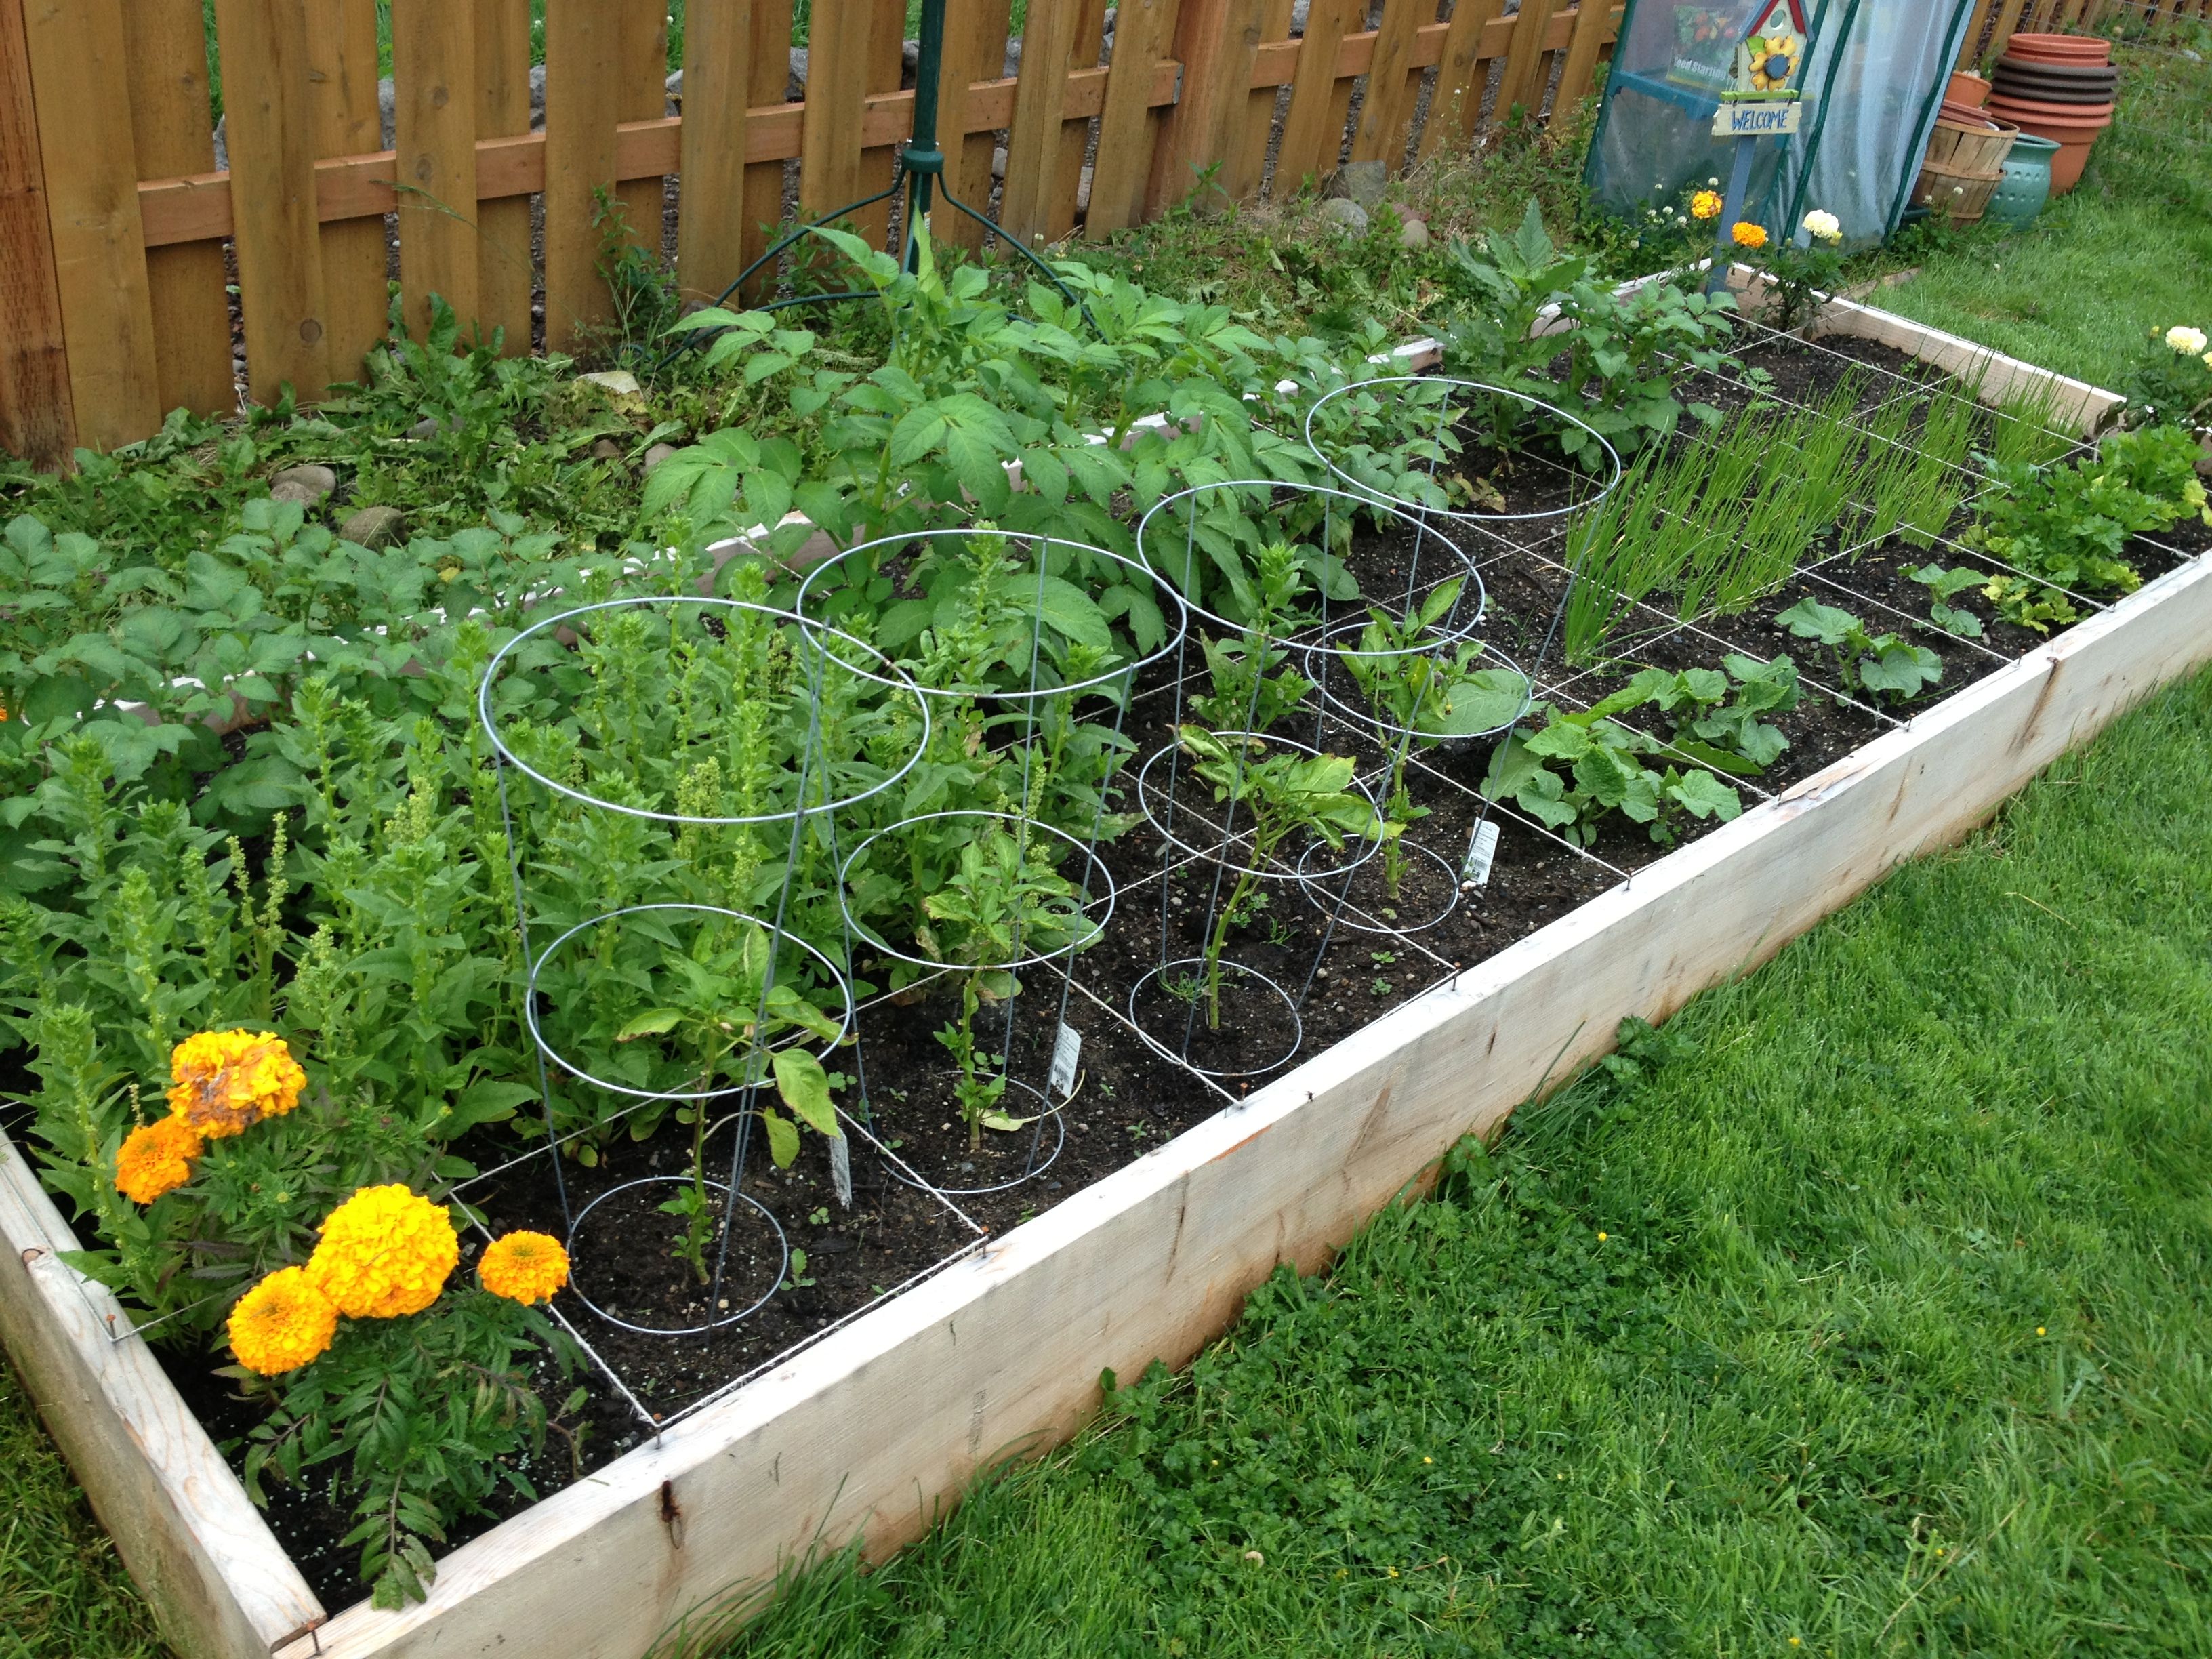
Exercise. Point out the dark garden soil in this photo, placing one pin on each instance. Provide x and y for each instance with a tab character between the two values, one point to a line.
1319	961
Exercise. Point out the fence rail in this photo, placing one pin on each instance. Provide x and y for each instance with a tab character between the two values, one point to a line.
123	244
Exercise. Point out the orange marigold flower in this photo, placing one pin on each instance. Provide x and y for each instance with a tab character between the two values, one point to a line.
385	1253
156	1157
1748	235
524	1267
226	1082
1706	205
282	1324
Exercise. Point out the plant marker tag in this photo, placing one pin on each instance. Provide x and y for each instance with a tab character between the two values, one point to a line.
840	1169
1481	853
1067	1049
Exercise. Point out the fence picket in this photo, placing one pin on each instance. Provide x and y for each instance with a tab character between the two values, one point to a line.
836	92
36	418
878	162
341	96
1127	126
1245	162
434	50
974	49
1033	140
1594	23
1310	144
165	47
1525	60
642	72
82	94
1387	103
504	276
583	37
717	85
1462	74
1083	44
1215	40
769	79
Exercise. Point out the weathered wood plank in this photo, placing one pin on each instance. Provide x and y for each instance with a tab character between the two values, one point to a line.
505	265
879	162
770	79
870	1432
1244	163
583	37
1461	75
1085	43
220	1585
1126	128
1310	145
165	52
433	53
1596	22
1387	102
641	74
1522	84
718	73
837	95
975	50
35	419
81	92
1216	42
1033	140
343	73
268	118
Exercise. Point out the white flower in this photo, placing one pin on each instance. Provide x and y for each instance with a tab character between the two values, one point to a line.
1824	225
2208	360
2188	340
1712	184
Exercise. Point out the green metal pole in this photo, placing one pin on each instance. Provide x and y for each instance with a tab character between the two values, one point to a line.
925	160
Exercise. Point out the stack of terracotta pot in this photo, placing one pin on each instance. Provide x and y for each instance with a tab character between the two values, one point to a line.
2059	86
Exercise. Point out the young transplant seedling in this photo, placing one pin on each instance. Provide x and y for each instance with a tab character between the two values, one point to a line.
1253	685
1943	585
1282	792
1002	902
1874	662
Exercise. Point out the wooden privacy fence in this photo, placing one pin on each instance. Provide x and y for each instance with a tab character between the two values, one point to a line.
119	238
1996	21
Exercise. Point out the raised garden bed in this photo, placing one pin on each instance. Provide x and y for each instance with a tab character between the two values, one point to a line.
1174	1193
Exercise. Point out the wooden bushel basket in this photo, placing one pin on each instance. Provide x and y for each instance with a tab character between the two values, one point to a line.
1964	163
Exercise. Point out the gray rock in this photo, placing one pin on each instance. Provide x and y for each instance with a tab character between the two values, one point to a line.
615	382
430	426
998	160
1359	181
1298	16
1345	214
795	89
656	454
1082	190
606	450
1413	234
306	484
374	526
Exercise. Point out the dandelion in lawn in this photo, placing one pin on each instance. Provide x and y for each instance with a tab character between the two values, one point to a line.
155	1159
282	1324
1706	205
223	1083
2039	1330
2186	340
385	1253
1601	1237
523	1266
1428	1460
1748	235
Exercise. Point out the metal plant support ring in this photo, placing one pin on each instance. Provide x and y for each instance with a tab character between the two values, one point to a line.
721	1317
1217	854
1290	1006
1033	1166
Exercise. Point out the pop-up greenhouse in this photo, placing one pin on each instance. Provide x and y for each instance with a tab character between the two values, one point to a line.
1873	75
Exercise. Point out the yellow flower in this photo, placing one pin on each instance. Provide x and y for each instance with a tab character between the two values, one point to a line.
1601	1238
226	1082
385	1253
524	1267
1748	235
1705	205
282	1324
156	1157
2039	1330
2184	339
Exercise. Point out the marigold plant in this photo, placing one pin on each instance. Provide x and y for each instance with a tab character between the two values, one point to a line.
282	1324
1748	235
155	1159
523	1266
1706	205
226	1082
385	1253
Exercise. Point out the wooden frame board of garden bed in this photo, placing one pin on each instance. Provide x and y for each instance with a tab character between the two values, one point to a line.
877	1429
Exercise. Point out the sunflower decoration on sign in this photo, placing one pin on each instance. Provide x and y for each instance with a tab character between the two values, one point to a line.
1766	63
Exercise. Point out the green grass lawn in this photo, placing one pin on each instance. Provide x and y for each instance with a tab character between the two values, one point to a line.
2128	251
1861	1313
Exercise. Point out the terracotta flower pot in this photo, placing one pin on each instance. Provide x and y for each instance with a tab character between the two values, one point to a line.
2060	48
2072	127
1967	89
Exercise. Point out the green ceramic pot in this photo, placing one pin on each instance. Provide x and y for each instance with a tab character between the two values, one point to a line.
2025	186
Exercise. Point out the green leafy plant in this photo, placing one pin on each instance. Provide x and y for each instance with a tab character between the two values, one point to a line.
1943	585
1882	663
1281	793
1253	681
2170	383
1582	766
1715	713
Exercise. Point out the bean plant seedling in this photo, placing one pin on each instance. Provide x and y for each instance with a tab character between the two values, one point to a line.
1944	585
1284	793
1879	663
